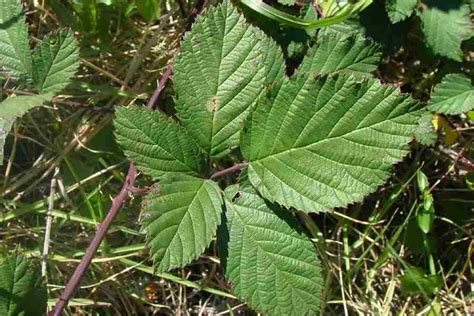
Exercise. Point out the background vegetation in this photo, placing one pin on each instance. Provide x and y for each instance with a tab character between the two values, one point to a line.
380	257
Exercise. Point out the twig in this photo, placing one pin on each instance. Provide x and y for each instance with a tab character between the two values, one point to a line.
117	203
236	167
49	221
457	158
161	85
15	91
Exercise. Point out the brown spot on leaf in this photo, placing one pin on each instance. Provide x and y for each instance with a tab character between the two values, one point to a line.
155	188
213	105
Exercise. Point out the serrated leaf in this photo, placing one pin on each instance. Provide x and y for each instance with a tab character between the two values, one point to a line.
155	143
425	134
21	289
219	73
271	263
327	143
341	52
55	61
15	55
13	108
399	10
454	95
273	61
181	218
446	24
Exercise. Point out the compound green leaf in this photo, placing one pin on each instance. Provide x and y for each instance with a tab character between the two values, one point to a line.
221	70
327	143
454	95
22	291
157	145
13	108
341	52
15	55
55	61
399	10
446	24
181	217
271	263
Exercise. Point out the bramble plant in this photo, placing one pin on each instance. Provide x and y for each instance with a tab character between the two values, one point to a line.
261	132
323	138
49	69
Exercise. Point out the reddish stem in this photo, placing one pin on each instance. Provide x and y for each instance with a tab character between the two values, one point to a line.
117	203
234	168
161	85
318	9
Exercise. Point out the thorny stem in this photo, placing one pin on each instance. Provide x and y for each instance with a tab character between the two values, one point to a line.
117	203
236	167
161	85
127	189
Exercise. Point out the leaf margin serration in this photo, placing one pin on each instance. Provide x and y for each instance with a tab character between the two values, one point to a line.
157	212
442	102
54	64
178	154
336	52
217	132
287	196
273	220
20	64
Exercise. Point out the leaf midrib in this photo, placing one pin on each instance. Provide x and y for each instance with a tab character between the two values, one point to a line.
267	254
282	152
172	156
186	213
